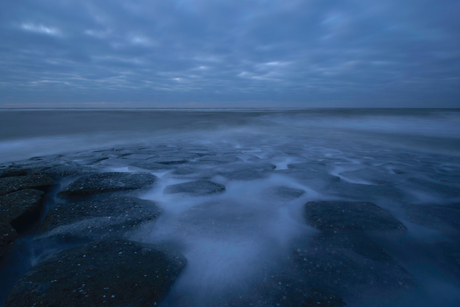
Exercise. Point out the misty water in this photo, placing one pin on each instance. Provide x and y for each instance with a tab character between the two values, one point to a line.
271	162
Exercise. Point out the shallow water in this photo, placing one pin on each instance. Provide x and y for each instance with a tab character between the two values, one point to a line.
271	162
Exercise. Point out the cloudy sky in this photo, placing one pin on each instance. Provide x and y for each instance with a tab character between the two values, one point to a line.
176	53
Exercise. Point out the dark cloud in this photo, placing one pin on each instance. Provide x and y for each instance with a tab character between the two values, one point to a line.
173	52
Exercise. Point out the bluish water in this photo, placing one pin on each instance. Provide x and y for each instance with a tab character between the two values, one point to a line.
392	157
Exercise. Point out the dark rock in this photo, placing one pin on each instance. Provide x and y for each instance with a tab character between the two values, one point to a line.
7	236
112	273
311	173
13	171
152	166
197	188
363	191
282	290
20	209
12	184
18	212
61	170
286	193
343	215
372	176
334	262
97	219
107	182
174	158
219	159
247	171
435	216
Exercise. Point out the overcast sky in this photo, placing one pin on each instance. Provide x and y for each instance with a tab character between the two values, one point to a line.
168	53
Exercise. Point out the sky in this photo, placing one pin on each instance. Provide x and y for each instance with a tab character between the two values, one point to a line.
225	53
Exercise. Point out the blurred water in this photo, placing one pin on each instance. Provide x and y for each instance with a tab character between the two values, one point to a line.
28	133
271	162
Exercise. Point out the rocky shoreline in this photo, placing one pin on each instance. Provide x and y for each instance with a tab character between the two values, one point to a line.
95	208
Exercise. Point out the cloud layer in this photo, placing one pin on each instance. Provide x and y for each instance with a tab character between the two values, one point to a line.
230	52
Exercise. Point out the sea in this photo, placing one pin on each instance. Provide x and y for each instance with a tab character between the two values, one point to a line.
394	158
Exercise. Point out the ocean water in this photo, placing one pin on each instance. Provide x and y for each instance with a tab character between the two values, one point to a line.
271	162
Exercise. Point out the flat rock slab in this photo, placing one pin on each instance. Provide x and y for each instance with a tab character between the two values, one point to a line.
196	188
282	290
345	215
364	191
107	182
98	218
103	273
352	267
247	171
286	193
149	165
21	208
12	184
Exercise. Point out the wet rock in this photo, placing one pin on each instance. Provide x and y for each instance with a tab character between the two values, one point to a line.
175	158
20	209
97	219
372	176
286	193
107	182
13	171
316	174
343	215
7	236
12	184
247	171
435	216
363	191
152	166
196	188
18	212
333	262
112	273
283	290
62	170
219	159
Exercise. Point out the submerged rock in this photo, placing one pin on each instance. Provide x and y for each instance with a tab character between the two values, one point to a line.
97	219
196	188
107	182
346	215
12	184
112	273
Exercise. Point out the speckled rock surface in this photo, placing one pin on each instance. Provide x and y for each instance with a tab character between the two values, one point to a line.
197	188
12	184
96	219
345	215
283	290
111	273
20	208
107	182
